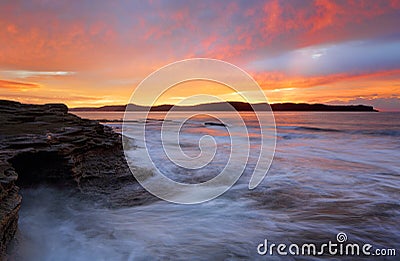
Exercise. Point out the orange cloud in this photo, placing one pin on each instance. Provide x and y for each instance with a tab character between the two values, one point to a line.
344	89
5	84
277	80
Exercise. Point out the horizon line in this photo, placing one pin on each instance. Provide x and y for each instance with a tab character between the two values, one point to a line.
197	104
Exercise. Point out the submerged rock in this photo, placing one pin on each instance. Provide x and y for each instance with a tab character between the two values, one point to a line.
44	144
210	123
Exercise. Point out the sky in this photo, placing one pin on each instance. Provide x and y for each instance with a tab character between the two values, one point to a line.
86	53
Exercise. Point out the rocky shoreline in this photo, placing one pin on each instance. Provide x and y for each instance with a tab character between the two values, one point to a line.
44	144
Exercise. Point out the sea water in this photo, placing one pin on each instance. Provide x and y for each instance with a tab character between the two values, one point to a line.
331	173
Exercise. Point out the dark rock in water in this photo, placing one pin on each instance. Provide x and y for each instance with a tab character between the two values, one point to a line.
44	144
214	124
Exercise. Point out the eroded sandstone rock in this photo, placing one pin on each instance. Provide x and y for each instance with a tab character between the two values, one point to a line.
46	144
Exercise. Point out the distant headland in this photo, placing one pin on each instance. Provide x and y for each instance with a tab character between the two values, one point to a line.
239	106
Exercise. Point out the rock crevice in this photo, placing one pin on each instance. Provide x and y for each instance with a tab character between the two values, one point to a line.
44	144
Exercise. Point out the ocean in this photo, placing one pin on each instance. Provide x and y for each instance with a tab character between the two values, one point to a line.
332	173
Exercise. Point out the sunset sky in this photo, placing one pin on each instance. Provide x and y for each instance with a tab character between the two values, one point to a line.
93	53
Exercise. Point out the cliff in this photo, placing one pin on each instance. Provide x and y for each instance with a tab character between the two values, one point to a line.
44	144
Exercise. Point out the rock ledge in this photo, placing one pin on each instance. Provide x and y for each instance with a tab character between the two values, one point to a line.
44	144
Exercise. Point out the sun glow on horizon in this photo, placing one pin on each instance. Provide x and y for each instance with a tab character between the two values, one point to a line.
307	51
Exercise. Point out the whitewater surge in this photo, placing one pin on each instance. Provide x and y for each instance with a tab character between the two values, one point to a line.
332	172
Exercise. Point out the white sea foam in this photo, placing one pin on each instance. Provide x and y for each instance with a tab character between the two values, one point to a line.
320	183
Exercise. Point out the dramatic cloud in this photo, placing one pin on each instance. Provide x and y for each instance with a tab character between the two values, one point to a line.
274	81
105	49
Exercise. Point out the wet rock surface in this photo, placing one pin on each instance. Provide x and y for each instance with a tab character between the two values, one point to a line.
44	144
